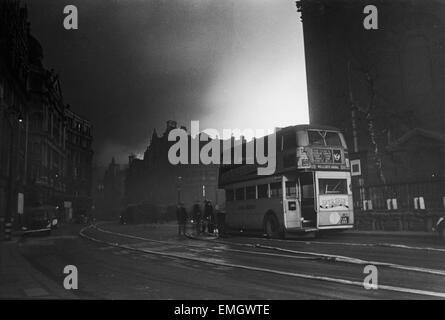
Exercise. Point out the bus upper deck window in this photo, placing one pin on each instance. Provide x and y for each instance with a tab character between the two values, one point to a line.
324	138
315	138
333	139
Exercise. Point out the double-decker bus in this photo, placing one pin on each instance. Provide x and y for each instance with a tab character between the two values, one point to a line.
310	189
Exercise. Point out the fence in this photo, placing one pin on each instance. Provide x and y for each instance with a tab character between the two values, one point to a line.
401	196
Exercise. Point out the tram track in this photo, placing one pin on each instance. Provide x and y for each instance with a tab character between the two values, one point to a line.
341	258
369	245
293	254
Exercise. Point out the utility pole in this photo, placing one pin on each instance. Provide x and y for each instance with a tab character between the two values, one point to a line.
8	213
354	134
353	112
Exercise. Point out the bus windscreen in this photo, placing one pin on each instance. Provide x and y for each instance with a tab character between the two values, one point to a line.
324	138
332	186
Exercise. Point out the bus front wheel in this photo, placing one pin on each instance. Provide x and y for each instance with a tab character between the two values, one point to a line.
271	226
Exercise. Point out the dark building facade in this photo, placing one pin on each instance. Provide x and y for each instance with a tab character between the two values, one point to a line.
79	160
380	86
110	191
34	144
14	66
46	147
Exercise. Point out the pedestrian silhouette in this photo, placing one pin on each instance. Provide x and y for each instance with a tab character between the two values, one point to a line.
208	216
197	216
181	215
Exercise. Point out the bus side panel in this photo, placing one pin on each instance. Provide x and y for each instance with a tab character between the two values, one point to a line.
255	216
249	214
233	215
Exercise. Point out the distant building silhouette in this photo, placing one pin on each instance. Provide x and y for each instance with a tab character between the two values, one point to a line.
153	179
113	184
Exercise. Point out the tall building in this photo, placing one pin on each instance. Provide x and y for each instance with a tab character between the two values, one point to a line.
14	66
110	196
383	87
46	151
79	157
33	126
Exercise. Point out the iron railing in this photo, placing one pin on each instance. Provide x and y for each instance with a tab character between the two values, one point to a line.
431	191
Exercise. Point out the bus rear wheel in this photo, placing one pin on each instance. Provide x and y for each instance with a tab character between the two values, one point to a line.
271	227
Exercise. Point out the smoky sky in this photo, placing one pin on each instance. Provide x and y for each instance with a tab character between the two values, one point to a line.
133	64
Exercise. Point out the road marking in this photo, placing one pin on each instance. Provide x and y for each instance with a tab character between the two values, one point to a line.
106	248
345	259
199	246
389	245
291	274
360	261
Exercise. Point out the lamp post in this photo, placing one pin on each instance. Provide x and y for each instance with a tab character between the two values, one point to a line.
9	201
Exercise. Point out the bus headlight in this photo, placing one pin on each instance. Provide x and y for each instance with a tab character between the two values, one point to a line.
334	218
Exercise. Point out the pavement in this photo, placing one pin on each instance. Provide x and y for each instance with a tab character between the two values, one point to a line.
20	280
152	262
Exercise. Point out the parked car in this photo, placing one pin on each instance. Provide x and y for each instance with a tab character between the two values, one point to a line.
40	220
440	227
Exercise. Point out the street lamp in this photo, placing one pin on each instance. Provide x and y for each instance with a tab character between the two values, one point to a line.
8	214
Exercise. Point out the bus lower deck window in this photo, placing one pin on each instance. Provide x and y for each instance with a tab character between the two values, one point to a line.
239	194
230	195
251	192
262	191
276	190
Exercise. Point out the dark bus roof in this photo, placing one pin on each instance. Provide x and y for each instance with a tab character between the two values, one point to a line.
308	127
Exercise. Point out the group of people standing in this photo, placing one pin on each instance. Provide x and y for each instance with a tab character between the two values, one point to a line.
203	220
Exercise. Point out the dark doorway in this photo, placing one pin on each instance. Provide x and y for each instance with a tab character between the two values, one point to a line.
308	211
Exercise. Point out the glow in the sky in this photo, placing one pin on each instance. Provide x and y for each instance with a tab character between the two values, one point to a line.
261	82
